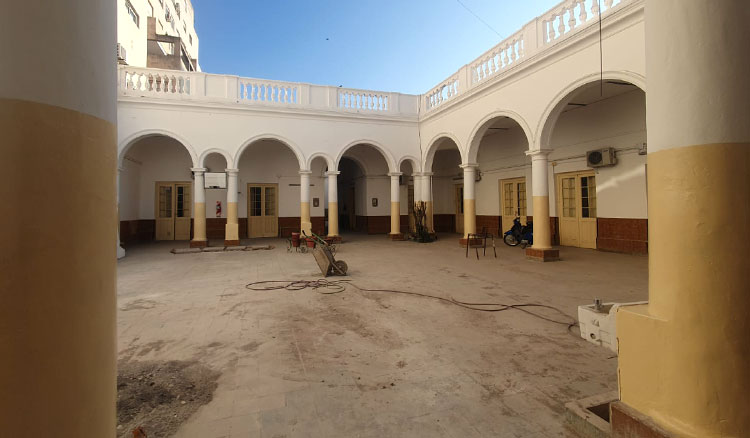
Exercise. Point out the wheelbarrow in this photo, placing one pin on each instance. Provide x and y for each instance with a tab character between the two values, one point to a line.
324	257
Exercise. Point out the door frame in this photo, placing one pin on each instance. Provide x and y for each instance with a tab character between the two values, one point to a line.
514	181
174	185
263	205
578	175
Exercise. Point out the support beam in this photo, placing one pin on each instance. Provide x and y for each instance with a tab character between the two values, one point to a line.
333	204
199	209
684	357
232	228
542	250
304	201
58	119
395	207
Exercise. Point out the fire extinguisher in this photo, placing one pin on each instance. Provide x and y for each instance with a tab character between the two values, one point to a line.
218	208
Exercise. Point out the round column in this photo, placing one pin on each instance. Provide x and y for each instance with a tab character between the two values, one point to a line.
120	249
333	203
426	188
58	114
199	209
395	206
542	249
470	205
232	228
304	201
684	357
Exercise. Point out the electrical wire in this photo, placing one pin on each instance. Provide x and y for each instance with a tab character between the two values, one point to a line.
479	18
330	287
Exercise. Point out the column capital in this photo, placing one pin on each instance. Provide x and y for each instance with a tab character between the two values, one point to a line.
392	174
232	172
538	153
467	166
333	172
305	172
198	169
427	173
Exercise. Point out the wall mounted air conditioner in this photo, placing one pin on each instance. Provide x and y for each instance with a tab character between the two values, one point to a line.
601	157
122	55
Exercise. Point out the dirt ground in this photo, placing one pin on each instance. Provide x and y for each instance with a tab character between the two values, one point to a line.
368	364
160	396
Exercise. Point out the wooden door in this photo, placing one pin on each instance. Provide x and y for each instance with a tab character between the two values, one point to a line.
172	210
164	211
183	203
262	210
576	205
513	201
459	208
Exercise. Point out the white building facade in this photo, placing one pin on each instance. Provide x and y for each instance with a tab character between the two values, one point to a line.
505	136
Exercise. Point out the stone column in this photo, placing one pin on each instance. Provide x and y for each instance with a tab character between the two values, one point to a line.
232	230
426	187
58	119
395	207
542	249
333	204
304	201
470	205
199	209
684	357
120	249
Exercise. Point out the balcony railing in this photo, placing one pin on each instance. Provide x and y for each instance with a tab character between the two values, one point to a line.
552	27
202	87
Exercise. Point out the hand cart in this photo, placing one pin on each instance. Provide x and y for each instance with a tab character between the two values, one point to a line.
324	257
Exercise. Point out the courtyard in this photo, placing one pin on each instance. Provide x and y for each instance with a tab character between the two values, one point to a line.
375	364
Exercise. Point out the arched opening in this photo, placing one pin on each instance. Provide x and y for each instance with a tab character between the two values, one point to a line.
602	204
269	190
447	186
216	196
364	190
155	190
504	187
319	203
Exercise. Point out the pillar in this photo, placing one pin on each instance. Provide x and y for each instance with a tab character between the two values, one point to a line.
684	357
232	228
470	204
333	204
199	209
542	249
304	201
120	249
426	187
395	207
58	119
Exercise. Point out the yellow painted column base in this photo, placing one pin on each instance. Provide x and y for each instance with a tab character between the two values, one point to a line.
305	222
470	217
684	357
333	219
542	236
396	218
199	226
429	216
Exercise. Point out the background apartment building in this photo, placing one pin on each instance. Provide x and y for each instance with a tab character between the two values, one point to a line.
157	34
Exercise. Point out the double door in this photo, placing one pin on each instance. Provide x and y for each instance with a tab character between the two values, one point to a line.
576	204
172	210
513	201
262	210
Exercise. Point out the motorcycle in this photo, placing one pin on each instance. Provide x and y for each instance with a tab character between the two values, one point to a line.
519	234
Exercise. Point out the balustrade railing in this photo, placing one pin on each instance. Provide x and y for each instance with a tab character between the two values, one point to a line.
156	82
359	100
255	91
445	91
571	15
498	58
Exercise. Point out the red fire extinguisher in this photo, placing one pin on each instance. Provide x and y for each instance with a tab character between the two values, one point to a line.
218	208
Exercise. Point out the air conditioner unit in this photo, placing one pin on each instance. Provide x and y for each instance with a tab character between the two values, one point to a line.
601	157
122	55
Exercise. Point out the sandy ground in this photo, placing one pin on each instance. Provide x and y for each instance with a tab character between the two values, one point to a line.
357	364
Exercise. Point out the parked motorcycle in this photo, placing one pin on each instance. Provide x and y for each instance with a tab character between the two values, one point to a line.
519	234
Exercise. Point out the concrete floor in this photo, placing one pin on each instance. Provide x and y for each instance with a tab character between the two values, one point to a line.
303	364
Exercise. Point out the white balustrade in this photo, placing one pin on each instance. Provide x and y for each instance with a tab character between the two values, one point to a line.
155	82
360	100
443	92
498	58
571	15
272	92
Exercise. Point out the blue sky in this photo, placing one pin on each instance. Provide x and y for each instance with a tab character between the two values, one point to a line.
407	46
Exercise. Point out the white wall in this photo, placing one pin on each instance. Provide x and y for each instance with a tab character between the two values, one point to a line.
445	171
130	36
501	156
